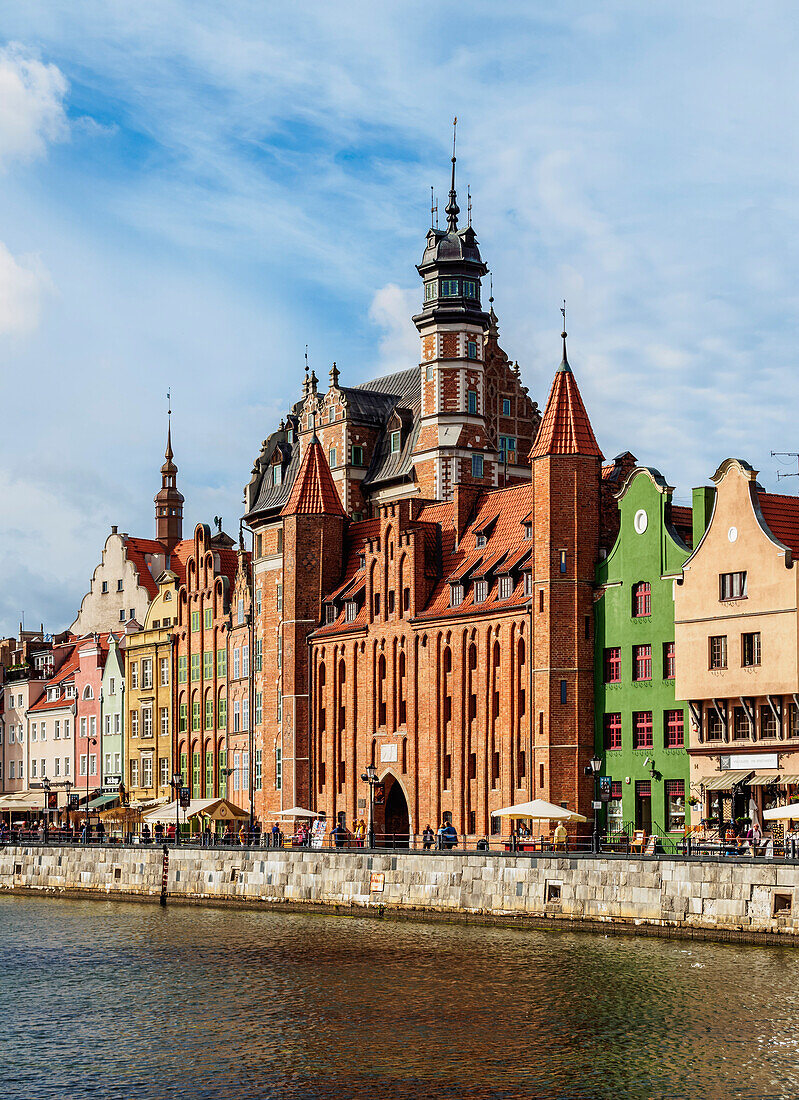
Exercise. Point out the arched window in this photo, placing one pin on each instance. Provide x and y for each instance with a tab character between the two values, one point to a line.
342	695
642	599
446	665
322	712
87	692
381	690
403	706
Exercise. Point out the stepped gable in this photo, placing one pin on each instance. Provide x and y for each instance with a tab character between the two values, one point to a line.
781	513
565	428
314	492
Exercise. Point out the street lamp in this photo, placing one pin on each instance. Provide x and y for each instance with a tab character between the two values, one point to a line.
89	742
593	769
68	786
370	777
177	783
46	789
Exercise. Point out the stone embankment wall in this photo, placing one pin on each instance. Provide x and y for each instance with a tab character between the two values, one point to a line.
729	898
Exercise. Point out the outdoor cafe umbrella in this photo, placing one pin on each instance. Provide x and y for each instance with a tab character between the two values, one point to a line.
782	813
539	810
296	811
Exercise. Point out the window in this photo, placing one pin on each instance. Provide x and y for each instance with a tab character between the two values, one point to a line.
57	730
430	290
195	620
280	651
715	725
505	586
147	722
147	771
195	714
83	727
469	288
718	651
221	664
164	671
209	713
642	599
33	769
357	456
112	686
673	726
245	660
236	771
480	591
278	769
134	723
471	399
675	805
221	716
330	613
66	729
477	465
455	595
236	716
528	583
245	771
280	541
331	457
134	773
750	649
208	618
615	811
562	561
182	669
506	407
134	675
395	442
57	765
732	586
429	373
740	725
612	731
563	696
195	667
642	729
279	597
471	349
449	288
259	708
245	714
768	722
147	673
613	665
528	529
331	414
642	662
277	474
105	587
507	448
236	664
164	712
119	586
163	771
196	775
668	660
93	764
351	608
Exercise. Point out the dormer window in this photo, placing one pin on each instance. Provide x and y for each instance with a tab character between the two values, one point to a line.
480	591
277	475
469	288
361	561
505	586
350	610
53	694
528	529
449	288
481	540
395	442
290	435
330	613
430	290
455	595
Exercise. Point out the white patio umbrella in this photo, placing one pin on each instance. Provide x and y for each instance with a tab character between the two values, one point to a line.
782	813
539	810
296	811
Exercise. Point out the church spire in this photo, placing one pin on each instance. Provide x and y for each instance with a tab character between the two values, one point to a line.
169	499
453	209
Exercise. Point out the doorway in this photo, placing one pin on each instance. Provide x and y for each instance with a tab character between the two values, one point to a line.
397	819
643	806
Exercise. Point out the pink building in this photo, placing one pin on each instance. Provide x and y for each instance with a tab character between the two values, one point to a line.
91	654
51	724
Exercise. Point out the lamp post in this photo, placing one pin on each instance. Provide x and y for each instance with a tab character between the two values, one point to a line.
89	742
68	786
593	769
177	783
46	789
370	777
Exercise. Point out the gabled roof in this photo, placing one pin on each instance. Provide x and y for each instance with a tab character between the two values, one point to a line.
66	672
314	492
565	428
781	514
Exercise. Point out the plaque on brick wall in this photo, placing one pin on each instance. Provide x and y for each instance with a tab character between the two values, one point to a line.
388	754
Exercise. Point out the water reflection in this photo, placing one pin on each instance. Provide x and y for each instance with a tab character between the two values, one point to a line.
128	1000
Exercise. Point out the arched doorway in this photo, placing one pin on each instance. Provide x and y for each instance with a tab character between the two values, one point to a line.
397	819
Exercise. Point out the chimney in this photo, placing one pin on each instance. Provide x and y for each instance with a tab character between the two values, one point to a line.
113	528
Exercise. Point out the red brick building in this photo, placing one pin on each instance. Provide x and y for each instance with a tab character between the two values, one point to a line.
423	589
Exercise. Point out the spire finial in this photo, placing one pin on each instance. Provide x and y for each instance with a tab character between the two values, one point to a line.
453	209
565	362
306	360
491	285
168	455
468	205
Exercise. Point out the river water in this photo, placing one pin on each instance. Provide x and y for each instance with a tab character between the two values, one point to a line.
115	999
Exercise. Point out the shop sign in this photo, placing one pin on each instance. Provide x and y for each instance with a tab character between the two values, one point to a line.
744	761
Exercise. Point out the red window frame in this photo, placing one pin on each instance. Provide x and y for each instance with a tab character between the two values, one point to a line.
613	665
612	732
615	790
642	600
642	662
675	729
642	729
675	788
668	660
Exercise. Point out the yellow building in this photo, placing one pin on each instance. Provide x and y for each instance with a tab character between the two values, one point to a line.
737	648
148	691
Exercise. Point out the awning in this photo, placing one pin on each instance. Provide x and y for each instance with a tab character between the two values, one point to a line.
23	800
789	781
765	779
782	813
296	811
218	809
725	781
102	800
538	810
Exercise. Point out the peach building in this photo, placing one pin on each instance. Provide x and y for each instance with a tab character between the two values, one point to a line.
737	648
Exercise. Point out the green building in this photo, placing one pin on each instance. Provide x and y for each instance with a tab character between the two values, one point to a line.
640	727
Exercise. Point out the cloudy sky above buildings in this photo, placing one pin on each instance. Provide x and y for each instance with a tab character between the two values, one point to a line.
192	191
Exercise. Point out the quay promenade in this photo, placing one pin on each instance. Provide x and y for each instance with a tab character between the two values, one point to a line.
709	897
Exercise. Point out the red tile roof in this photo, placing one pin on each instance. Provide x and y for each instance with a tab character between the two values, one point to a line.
314	492
66	672
781	514
565	428
135	550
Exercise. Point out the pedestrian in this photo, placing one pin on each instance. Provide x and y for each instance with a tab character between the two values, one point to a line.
242	835
145	833
339	835
450	836
256	834
275	835
428	836
440	836
207	835
158	832
560	836
360	834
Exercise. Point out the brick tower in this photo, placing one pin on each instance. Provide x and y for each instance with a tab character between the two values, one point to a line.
566	471
453	444
169	501
313	544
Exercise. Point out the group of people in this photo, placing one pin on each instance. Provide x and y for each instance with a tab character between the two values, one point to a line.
445	839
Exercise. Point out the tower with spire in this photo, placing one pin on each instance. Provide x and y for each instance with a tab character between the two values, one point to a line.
169	499
452	445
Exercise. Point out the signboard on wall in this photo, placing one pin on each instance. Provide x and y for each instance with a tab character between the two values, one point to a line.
745	761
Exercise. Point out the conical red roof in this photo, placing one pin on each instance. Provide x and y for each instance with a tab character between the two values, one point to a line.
565	428
314	492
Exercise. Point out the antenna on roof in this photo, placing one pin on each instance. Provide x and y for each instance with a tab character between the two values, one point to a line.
786	454
306	360
491	285
433	208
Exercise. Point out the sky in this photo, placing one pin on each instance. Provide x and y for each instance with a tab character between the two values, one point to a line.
191	192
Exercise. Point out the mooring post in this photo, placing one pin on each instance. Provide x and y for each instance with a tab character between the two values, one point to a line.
164	875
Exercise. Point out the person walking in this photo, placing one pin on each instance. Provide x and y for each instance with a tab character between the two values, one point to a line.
428	836
450	836
275	835
360	833
242	835
560	836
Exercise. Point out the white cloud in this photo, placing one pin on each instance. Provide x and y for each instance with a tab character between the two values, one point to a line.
31	105
391	310
22	283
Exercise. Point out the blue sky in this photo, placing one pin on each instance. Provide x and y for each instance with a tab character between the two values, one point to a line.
190	192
